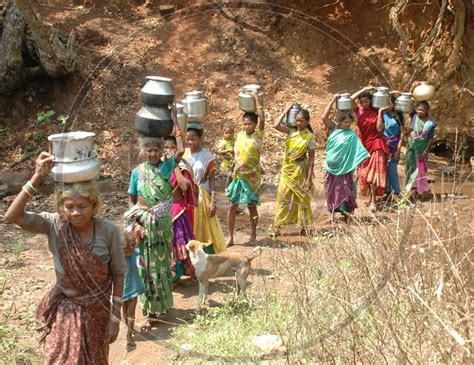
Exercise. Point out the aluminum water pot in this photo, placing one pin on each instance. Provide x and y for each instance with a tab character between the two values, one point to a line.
195	106
291	117
344	102
404	103
157	91
381	97
424	91
153	121
246	100
182	117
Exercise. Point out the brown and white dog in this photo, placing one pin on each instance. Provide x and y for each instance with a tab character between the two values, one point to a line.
213	266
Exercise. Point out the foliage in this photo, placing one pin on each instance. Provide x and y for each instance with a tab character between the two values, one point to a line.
18	246
45	116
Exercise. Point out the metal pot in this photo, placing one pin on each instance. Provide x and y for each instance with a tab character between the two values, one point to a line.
344	102
75	171
72	146
424	91
404	103
181	116
74	157
157	91
195	106
246	100
381	98
154	121
290	119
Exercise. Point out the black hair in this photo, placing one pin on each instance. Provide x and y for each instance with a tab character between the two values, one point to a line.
393	98
198	132
306	115
343	115
171	138
250	116
425	105
365	94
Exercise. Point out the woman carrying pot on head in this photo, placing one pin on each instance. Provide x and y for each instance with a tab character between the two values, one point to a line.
76	318
422	129
293	204
373	172
206	223
151	196
393	132
344	153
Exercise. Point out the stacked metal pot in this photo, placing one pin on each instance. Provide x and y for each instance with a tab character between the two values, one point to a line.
195	108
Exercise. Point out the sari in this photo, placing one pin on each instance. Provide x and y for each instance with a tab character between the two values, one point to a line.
373	171
74	330
206	229
392	134
416	165
226	145
154	263
344	152
183	220
243	189
293	204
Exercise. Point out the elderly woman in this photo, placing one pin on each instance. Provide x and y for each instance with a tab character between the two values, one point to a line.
422	129
151	190
76	317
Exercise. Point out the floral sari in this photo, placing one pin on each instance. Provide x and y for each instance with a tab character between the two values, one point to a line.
416	165
247	174
293	204
155	248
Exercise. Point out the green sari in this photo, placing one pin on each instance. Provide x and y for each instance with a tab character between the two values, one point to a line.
155	249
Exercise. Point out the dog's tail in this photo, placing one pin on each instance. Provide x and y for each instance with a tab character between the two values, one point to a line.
257	251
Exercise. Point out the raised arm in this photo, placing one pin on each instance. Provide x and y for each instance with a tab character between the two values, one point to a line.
278	124
183	183
260	112
16	210
178	135
380	123
357	93
326	120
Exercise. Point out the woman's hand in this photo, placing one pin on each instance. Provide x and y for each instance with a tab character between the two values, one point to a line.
287	108
211	211
396	155
254	93
43	164
112	331
308	184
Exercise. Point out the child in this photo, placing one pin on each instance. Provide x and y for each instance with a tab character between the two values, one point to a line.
225	148
243	188
182	212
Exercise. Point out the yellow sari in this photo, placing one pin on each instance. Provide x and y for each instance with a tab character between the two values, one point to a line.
293	203
247	158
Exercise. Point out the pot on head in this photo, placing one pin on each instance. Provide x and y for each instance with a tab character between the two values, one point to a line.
195	106
182	117
157	91
344	102
404	103
381	98
246	100
424	91
291	117
154	121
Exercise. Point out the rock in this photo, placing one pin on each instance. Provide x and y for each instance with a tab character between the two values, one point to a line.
267	343
166	9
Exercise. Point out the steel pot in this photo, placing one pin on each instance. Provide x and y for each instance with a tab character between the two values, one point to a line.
182	117
424	91
404	103
75	171
290	118
344	102
246	100
157	91
195	106
154	121
381	98
72	146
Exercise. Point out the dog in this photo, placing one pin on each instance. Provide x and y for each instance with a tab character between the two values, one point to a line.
213	266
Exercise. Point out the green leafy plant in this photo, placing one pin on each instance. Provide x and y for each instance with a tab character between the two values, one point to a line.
18	246
45	116
63	118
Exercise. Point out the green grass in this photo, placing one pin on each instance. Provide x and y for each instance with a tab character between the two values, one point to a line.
226	332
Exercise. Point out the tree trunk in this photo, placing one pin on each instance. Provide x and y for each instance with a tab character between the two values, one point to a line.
24	33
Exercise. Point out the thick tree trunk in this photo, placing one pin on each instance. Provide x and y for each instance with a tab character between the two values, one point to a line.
24	33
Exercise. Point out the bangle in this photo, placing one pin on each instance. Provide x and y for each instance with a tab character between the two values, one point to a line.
116	299
114	318
259	107
30	187
25	189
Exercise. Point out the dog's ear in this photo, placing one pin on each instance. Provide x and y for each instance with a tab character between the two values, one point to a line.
191	245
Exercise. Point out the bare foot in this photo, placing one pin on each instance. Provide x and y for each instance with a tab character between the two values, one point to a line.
229	243
253	239
372	208
130	339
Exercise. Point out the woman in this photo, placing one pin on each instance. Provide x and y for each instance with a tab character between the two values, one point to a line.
151	190
75	316
393	132
344	153
422	129
293	204
373	172
206	224
182	211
